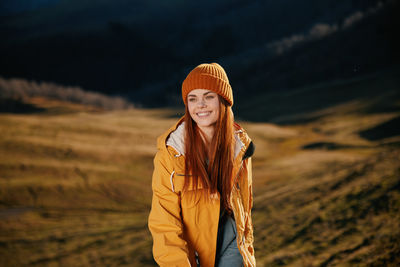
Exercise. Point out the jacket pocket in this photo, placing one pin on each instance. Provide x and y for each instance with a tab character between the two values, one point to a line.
191	198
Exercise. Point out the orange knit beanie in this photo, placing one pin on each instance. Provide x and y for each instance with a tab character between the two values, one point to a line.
208	76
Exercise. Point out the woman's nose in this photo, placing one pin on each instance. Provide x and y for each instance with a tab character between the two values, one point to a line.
202	103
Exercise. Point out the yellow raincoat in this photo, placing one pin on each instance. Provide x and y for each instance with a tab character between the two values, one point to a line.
184	225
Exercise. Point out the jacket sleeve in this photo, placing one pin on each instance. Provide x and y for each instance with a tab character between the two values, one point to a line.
165	223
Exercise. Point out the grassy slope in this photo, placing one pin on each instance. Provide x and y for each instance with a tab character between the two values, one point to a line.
75	186
75	189
336	203
325	207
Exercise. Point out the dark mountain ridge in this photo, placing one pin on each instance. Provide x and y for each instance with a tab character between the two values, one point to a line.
143	50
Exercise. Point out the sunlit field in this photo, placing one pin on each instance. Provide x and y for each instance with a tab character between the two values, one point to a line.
75	187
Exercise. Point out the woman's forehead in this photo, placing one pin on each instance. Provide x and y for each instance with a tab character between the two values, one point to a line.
196	92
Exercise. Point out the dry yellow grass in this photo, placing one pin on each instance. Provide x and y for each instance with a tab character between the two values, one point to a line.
327	206
75	189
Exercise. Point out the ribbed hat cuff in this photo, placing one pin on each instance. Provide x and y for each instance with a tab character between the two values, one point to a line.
209	82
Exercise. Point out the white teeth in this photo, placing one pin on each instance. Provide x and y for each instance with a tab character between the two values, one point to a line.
200	114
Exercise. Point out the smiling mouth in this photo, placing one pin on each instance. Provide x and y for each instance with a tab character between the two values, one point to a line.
203	114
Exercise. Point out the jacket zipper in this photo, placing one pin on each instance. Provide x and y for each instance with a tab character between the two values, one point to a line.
197	258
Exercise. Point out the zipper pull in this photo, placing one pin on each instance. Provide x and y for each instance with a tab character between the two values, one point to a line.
197	258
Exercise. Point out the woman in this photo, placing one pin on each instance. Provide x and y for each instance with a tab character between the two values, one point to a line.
202	181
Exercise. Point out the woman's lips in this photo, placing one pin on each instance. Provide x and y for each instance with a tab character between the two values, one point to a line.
203	113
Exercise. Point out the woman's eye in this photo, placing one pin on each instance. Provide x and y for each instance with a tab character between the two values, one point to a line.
192	99
209	97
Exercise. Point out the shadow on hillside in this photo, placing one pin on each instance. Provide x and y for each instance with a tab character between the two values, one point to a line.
17	106
173	113
369	94
328	146
385	130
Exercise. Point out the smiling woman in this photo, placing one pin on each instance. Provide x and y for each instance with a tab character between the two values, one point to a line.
202	182
203	106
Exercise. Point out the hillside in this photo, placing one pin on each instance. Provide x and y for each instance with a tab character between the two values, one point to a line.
75	186
144	50
374	93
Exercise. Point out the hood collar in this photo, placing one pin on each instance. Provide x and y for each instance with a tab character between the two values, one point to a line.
175	137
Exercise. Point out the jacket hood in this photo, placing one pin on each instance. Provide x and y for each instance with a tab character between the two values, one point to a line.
175	138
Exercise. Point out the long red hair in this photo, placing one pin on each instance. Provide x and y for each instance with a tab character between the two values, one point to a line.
211	164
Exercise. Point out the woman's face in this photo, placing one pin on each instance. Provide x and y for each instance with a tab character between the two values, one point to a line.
203	106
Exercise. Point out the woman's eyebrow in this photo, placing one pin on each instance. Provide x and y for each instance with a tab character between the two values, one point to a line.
209	92
206	93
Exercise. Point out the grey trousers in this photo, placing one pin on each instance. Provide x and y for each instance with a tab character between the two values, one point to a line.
227	254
